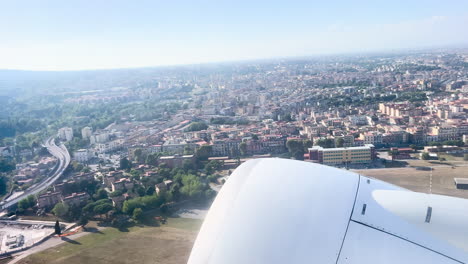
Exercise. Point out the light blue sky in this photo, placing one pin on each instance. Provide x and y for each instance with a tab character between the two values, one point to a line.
82	34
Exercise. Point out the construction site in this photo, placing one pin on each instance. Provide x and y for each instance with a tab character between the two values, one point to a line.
19	235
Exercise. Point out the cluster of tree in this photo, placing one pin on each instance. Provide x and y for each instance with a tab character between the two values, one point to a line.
228	121
413	96
213	166
6	165
87	186
10	128
26	203
196	126
425	156
100	207
297	148
458	143
3	184
203	152
145	202
125	164
76	143
325	143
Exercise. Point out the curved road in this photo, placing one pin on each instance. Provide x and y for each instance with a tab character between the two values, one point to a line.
61	153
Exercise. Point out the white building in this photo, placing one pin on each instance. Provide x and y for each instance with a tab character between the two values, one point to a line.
81	155
65	133
109	146
86	132
102	137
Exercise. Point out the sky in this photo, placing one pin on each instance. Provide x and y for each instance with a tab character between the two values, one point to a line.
105	34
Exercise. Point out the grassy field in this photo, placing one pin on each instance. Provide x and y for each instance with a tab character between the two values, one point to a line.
417	180
170	243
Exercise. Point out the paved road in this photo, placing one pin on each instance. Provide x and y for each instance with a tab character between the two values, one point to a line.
61	153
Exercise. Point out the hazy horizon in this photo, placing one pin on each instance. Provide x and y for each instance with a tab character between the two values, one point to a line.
263	59
59	36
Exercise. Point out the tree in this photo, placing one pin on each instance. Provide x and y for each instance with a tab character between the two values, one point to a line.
6	166
23	204
139	156
339	142
204	152
31	201
125	164
100	194
212	166
296	148
307	144
192	186
196	126
103	209
325	143
152	159
150	190
138	214
298	155
3	184
425	156
60	210
77	166
58	230
243	148
188	150
83	220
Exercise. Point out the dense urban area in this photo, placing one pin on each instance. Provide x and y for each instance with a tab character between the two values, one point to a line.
111	146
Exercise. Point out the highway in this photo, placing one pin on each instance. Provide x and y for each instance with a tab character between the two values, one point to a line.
63	157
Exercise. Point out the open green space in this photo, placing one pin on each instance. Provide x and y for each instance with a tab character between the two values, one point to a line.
168	243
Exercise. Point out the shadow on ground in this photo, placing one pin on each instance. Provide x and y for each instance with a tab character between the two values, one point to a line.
92	230
66	239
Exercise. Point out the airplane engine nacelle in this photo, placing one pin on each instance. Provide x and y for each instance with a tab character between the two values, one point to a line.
286	211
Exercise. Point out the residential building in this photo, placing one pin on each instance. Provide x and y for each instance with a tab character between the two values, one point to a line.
81	155
65	133
342	156
163	186
86	132
76	198
48	199
176	161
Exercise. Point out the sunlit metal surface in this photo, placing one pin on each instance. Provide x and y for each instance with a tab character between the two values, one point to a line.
286	211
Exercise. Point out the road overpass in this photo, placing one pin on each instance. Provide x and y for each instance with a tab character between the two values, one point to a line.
63	157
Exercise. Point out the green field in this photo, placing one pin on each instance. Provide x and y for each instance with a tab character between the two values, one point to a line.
169	243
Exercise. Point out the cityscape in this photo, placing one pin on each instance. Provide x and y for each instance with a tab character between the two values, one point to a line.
227	132
170	140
